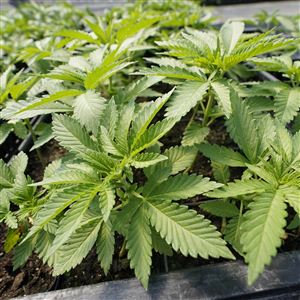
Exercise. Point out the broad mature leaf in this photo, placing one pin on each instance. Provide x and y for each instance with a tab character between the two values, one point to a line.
143	160
186	231
70	222
105	245
223	96
186	97
139	244
71	135
79	245
88	108
180	186
223	155
230	34
194	134
287	104
262	231
220	208
240	187
106	199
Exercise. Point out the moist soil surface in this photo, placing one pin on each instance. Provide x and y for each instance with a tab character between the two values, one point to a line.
35	277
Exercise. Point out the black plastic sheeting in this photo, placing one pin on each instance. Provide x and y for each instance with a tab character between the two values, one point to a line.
227	280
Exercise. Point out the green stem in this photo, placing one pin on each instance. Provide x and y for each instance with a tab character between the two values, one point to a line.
123	249
223	226
239	220
34	138
208	108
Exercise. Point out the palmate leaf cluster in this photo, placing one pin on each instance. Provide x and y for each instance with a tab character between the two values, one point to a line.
93	198
269	184
134	95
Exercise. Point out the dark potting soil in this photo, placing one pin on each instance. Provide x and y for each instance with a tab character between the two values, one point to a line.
36	277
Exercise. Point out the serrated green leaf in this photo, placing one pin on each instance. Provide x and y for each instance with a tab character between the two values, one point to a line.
105	246
22	253
79	245
5	130
181	186
139	244
71	135
287	104
106	200
223	96
230	34
186	231
240	187
220	208
262	231
147	159
194	134
186	97
70	222
88	108
223	155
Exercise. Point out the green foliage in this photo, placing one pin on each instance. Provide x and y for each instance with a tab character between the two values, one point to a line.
135	165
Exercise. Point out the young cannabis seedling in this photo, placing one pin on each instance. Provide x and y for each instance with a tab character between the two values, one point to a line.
94	195
203	58
270	181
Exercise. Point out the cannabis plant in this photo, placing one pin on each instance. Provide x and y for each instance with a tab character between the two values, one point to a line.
94	195
203	60
270	182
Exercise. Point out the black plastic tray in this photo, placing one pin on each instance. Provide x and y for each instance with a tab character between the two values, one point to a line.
228	280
